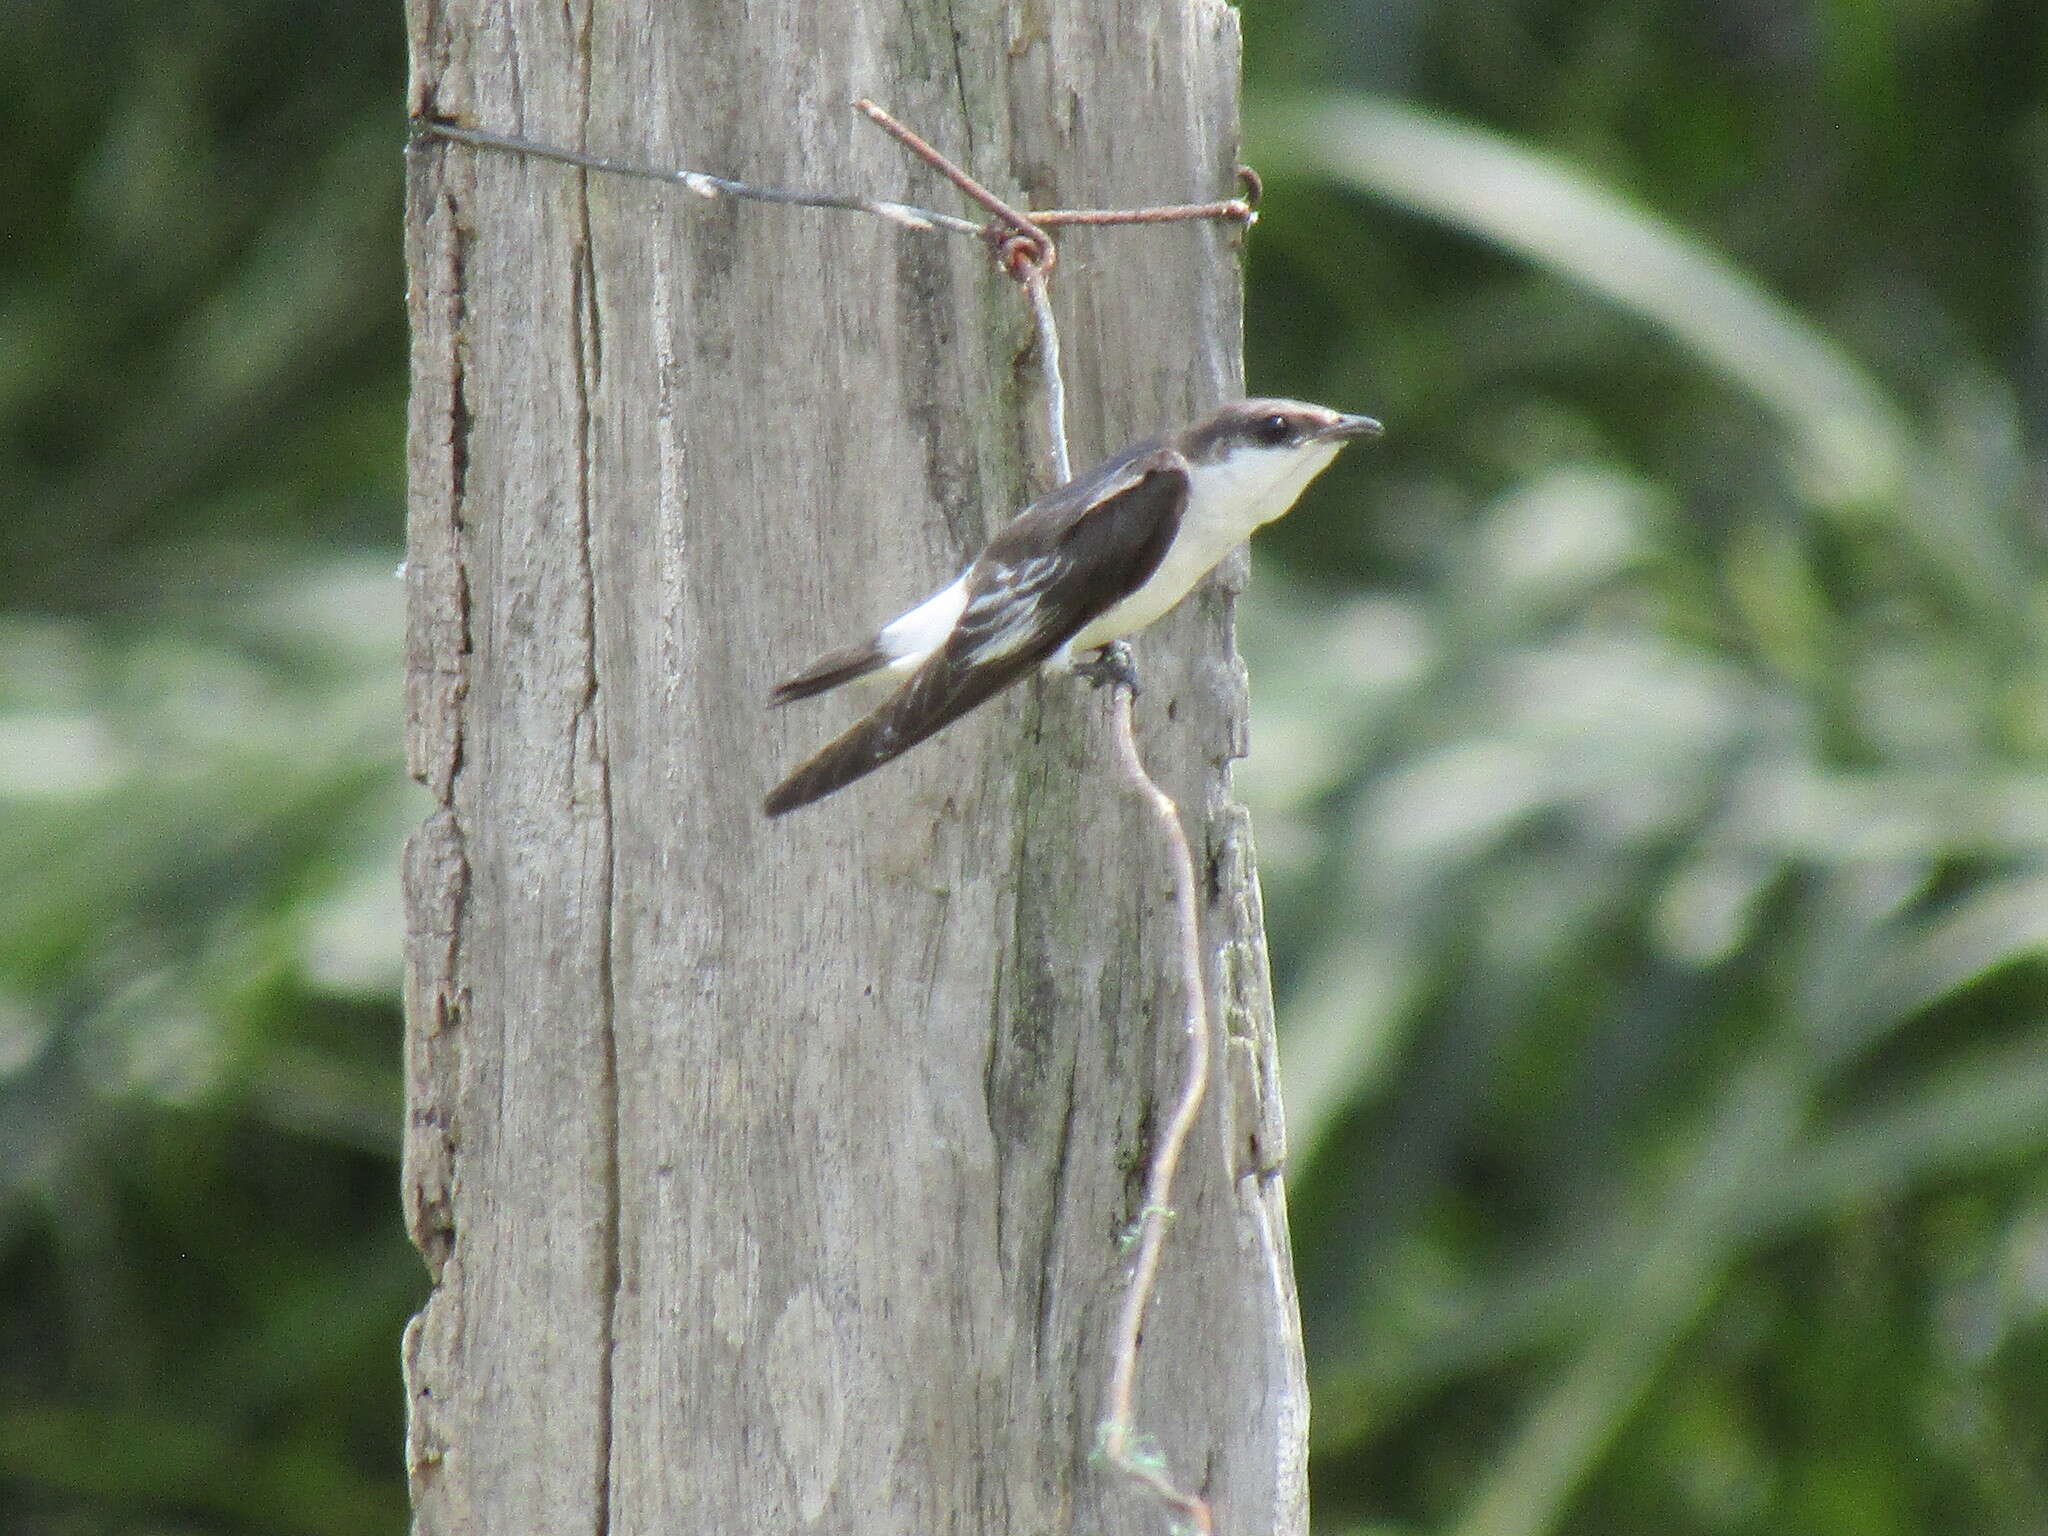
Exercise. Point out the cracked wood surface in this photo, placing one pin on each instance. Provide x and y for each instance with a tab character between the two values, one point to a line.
771	1174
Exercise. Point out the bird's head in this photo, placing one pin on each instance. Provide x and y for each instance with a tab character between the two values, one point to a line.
1268	450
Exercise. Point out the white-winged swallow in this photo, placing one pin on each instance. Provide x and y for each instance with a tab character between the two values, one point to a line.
1095	560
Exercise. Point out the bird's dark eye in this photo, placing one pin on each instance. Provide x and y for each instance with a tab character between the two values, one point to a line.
1274	430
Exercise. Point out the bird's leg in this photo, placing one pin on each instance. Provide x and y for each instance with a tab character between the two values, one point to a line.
1111	666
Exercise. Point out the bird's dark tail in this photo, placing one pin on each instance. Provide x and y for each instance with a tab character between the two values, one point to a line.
863	748
938	693
829	671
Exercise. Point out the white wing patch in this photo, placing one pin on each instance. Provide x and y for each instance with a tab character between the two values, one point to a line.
1010	614
1010	633
908	640
1006	615
1017	584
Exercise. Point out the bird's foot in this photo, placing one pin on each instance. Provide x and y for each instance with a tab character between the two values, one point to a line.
1111	666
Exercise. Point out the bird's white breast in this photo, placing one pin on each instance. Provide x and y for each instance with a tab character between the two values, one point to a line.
1227	500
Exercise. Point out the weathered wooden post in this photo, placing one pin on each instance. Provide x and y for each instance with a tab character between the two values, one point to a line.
772	1174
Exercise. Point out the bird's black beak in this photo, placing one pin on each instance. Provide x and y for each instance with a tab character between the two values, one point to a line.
1344	428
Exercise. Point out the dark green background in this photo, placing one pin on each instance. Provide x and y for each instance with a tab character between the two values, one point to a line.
1648	750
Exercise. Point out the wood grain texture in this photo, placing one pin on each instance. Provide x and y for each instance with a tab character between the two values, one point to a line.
772	1173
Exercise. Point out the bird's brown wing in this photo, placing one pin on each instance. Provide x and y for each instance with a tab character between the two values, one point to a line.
1036	586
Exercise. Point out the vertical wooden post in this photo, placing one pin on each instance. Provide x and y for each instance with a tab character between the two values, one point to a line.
772	1174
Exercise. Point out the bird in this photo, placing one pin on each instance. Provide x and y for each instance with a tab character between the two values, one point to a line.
1085	565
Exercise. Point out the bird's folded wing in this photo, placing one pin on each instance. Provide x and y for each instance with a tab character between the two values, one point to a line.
1029	596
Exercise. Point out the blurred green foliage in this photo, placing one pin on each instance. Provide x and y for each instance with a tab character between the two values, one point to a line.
202	1268
1648	762
1649	766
